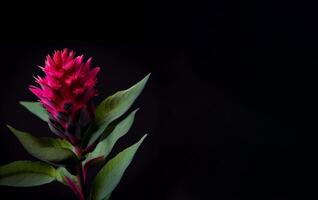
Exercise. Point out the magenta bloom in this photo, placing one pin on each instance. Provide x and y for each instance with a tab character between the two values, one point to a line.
66	92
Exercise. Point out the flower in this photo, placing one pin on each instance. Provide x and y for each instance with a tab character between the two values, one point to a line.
66	92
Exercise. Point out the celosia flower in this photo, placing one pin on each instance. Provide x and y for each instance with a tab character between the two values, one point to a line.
66	92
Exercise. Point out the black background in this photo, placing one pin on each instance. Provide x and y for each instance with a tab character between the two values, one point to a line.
226	107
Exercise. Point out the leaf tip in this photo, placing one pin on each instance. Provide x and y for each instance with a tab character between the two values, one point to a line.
135	111
10	127
142	139
147	77
143	81
23	103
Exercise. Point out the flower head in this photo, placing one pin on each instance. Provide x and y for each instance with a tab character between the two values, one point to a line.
66	92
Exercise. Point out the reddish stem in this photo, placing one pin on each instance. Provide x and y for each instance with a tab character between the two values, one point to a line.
89	148
80	178
75	189
79	190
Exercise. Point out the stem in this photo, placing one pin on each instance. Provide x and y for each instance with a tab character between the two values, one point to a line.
81	181
74	188
80	175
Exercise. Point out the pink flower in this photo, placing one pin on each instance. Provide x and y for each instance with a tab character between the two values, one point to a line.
66	92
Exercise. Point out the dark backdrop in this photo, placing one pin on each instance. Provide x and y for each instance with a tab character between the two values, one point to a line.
225	107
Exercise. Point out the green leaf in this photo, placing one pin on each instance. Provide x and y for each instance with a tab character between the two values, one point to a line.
37	109
46	149
26	174
109	176
112	108
117	131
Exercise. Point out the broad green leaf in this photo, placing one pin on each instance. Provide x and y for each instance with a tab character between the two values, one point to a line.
37	109
105	146
46	149
112	108
109	176
26	174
